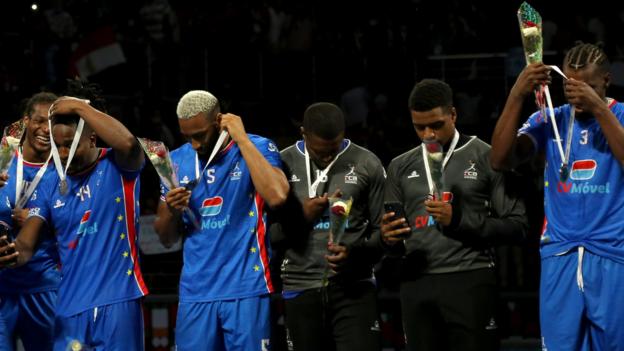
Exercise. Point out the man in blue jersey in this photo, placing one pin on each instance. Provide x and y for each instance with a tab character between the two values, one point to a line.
28	293
227	181
582	244
92	206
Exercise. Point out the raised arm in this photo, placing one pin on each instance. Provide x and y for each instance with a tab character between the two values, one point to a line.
508	149
584	97
269	181
128	153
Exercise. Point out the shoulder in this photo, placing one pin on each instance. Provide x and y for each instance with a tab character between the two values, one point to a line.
363	155
406	158
182	151
263	144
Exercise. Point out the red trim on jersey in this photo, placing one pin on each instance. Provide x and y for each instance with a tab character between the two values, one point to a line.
261	238
227	147
613	102
129	203
544	226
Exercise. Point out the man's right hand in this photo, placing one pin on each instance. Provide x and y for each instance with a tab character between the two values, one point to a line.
393	231
177	199
4	178
313	208
531	77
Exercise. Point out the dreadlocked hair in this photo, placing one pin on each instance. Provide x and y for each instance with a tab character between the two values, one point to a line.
583	54
89	91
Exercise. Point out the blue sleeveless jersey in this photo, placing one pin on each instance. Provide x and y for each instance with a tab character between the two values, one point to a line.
41	273
587	209
96	225
227	255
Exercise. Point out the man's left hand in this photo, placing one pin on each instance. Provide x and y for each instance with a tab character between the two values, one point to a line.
338	256
441	211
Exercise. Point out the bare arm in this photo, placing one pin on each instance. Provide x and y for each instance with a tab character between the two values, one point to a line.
128	153
269	181
168	224
24	245
508	149
583	97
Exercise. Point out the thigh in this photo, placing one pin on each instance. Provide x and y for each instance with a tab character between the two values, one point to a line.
604	297
70	333
420	313
36	320
119	327
9	311
355	318
468	306
305	325
562	320
246	323
197	327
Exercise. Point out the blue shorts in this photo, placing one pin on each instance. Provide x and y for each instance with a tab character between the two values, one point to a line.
29	316
241	324
116	327
587	318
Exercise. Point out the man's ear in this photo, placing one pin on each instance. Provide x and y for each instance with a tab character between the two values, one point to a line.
92	139
302	131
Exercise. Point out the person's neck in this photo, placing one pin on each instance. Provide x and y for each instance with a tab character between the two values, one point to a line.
33	156
90	162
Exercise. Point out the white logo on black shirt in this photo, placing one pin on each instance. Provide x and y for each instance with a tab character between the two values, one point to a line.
414	174
294	178
351	177
471	172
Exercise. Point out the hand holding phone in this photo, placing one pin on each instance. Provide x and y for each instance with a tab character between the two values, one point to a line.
399	212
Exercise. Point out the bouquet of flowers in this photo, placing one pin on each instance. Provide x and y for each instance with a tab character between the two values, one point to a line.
9	144
531	32
435	159
158	155
339	210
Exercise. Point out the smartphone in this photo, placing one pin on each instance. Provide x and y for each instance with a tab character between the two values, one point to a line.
399	212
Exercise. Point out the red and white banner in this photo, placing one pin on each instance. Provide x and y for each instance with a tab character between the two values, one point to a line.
96	52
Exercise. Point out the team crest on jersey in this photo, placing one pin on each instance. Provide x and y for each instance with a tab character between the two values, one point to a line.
471	172
236	173
294	178
211	206
583	169
351	177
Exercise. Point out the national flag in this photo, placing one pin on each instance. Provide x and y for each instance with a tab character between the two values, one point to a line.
96	52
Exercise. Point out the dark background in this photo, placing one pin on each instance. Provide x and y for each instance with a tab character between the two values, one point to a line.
267	60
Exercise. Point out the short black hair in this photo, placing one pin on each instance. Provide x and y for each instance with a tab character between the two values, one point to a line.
429	94
324	120
43	97
583	54
69	119
89	91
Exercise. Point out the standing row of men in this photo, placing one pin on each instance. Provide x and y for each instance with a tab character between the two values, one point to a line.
88	199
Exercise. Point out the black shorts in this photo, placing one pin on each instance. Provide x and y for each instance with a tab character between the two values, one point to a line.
340	318
451	311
